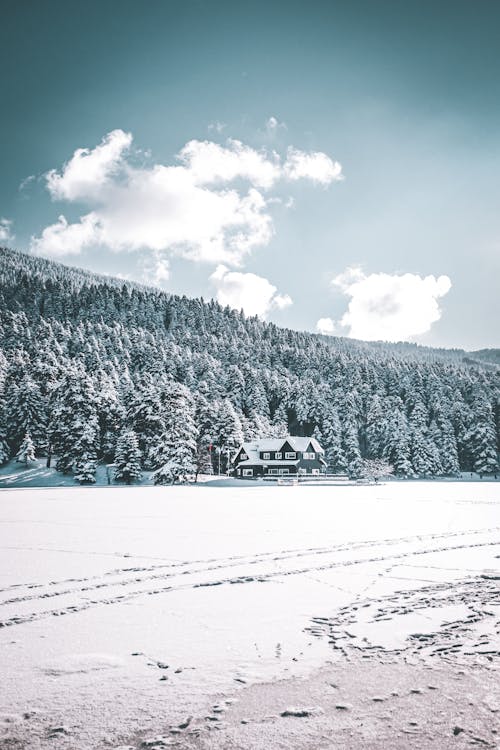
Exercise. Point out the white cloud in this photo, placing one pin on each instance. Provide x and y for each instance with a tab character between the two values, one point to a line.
62	239
156	269
209	162
26	182
190	209
326	326
88	172
273	125
254	294
315	166
390	307
5	230
217	126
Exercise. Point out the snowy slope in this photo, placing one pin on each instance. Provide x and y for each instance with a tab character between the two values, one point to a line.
105	593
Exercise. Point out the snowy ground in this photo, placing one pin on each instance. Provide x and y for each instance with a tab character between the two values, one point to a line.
194	617
36	474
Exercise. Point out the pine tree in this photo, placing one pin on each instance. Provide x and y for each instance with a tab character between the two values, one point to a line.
375	428
424	452
146	416
25	409
448	450
26	452
127	458
4	451
4	448
175	457
110	414
350	446
481	438
74	422
227	431
331	433
485	457
280	420
204	417
85	462
397	439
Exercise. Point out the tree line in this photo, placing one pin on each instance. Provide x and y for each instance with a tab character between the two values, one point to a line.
94	369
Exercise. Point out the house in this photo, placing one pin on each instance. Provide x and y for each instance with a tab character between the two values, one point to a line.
269	457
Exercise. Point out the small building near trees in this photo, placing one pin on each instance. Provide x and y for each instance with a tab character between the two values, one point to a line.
275	457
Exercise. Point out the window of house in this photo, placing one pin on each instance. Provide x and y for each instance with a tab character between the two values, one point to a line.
273	471
290	455
278	456
315	471
309	456
266	456
243	457
284	471
248	472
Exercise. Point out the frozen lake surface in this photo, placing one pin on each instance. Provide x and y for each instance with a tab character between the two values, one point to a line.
126	609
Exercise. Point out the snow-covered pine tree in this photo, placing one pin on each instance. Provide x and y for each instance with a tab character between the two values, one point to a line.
280	420
235	385
4	451
375	428
331	433
304	398
26	451
227	430
204	417
74	421
127	458
110	414
481	438
254	396
397	438
350	446
26	409
85	462
146	416
424	452
4	448
175	457
448	451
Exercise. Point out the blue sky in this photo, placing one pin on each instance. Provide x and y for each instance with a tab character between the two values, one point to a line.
404	96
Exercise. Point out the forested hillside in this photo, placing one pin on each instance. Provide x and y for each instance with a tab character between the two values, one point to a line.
96	369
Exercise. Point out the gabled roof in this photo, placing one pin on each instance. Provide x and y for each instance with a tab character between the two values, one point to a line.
299	444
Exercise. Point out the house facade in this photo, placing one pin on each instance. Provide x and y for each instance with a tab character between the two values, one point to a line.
275	457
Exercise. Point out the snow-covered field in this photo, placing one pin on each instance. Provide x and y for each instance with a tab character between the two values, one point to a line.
125	611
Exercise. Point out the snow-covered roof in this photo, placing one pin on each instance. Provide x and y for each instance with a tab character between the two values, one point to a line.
260	462
298	444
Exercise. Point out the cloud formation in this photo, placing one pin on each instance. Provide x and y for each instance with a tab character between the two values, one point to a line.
89	172
193	208
326	326
390	307
254	294
6	230
61	238
315	166
273	126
